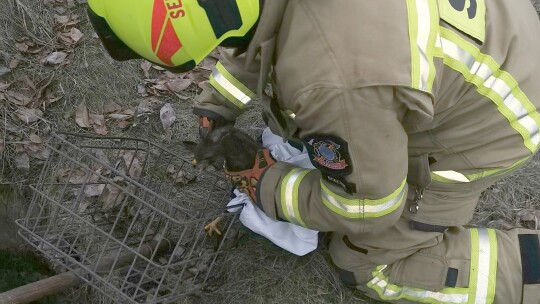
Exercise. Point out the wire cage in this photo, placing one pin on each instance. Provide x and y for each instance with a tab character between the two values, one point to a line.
128	217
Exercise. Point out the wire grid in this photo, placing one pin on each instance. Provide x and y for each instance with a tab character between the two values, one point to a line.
128	217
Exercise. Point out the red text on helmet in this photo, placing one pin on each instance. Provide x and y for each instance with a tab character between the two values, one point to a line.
175	8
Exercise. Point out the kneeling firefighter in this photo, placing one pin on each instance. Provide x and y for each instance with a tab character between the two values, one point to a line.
408	109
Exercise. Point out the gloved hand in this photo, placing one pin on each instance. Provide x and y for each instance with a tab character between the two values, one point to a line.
246	181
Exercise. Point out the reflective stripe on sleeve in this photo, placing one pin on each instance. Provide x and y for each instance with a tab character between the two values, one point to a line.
456	177
363	208
493	83
482	278
290	186
230	87
423	30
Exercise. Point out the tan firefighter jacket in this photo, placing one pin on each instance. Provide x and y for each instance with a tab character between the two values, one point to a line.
387	97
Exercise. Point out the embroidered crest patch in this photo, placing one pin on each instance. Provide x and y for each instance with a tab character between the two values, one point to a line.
329	154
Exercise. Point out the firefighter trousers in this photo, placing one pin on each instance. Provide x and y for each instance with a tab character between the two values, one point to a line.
429	259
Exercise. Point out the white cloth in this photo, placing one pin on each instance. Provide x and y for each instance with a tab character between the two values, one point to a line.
293	238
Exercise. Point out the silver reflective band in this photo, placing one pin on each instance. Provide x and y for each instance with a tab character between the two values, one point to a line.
356	209
393	292
497	85
424	29
290	196
231	88
359	206
484	258
452	175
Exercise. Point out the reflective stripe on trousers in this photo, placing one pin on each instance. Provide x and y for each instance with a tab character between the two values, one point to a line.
482	277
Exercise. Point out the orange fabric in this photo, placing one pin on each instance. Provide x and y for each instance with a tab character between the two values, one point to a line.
247	180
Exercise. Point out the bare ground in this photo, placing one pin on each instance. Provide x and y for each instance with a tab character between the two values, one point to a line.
258	272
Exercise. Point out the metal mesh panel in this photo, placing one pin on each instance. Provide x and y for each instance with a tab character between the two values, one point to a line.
128	216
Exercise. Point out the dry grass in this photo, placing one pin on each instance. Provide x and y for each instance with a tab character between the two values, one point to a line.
258	272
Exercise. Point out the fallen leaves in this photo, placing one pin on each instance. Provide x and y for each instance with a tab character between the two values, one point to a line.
22	162
180	176
529	218
55	58
168	83
4	70
168	117
81	116
29	115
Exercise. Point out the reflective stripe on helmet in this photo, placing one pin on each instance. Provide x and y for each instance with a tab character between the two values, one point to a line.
482	278
230	87
363	208
289	195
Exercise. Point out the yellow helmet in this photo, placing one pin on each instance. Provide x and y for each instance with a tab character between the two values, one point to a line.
176	34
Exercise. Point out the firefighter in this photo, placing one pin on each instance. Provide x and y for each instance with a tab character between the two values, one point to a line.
408	109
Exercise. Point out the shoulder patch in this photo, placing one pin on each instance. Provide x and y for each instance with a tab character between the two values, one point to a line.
329	154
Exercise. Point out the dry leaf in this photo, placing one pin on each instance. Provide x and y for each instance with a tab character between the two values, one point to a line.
61	19
22	161
4	86
141	90
81	116
101	130
70	3
77	177
42	86
144	107
22	47
529	218
181	177
60	9
122	124
145	65
84	204
36	139
55	58
54	99
66	38
4	71
119	116
178	85
18	98
133	163
29	115
14	63
96	119
61	175
112	196
75	34
42	154
167	115
111	107
32	147
129	112
208	63
29	83
98	123
94	190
